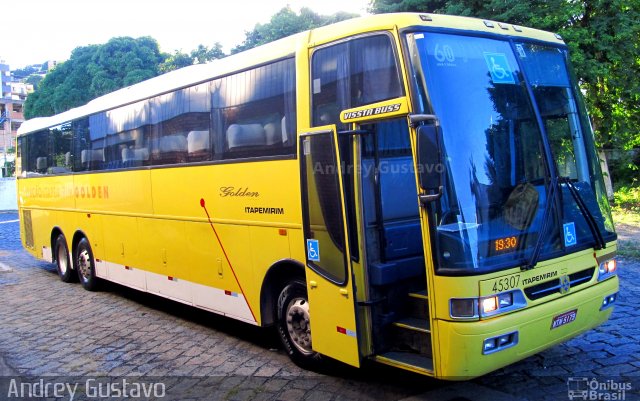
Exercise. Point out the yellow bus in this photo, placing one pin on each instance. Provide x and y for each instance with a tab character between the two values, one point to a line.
416	189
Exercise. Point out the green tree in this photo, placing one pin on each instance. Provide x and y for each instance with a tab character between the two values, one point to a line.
121	62
285	23
34	80
604	43
203	54
175	61
200	55
92	71
22	73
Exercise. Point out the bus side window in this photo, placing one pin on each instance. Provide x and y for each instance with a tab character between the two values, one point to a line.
38	153
61	156
351	74
254	111
88	134
181	125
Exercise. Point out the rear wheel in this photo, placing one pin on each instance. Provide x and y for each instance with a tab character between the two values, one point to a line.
63	260
294	324
85	266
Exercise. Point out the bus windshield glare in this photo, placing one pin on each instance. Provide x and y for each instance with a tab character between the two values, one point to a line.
497	181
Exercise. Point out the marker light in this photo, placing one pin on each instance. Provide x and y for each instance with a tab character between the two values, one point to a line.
505	300
608	301
495	344
607	269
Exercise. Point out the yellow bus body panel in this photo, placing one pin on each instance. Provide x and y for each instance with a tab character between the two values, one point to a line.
461	343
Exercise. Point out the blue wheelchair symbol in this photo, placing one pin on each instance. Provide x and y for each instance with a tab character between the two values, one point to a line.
499	68
569	234
313	250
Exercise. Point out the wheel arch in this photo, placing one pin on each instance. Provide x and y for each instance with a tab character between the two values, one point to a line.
274	281
77	236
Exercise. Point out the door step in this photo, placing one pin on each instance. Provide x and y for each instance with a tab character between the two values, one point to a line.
415	362
417	305
411	333
419	294
415	324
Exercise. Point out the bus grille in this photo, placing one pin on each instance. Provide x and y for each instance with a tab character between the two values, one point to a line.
28	228
553	286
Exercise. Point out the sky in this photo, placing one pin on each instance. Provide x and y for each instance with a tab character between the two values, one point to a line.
44	30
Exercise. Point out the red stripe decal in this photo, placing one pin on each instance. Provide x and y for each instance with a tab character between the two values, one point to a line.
215	232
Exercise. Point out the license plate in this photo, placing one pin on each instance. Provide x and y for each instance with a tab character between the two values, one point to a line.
563	319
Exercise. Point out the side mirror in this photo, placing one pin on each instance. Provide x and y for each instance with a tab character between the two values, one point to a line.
430	161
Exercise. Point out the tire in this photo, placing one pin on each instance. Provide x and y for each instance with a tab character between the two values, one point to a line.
63	260
294	326
85	266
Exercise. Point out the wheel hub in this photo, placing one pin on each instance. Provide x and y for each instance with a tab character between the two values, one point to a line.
298	325
84	264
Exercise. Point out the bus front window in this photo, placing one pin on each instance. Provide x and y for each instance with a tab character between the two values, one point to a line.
570	137
498	179
491	212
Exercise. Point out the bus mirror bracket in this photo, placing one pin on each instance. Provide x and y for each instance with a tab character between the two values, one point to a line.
417	119
430	163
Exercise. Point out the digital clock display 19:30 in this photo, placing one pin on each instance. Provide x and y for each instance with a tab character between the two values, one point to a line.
505	244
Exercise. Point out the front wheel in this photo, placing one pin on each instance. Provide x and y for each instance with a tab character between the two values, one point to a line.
85	266
294	324
63	260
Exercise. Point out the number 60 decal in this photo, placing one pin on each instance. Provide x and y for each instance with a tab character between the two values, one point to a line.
444	53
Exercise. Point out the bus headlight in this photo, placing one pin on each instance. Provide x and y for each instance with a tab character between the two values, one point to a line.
490	304
500	301
473	308
607	269
464	308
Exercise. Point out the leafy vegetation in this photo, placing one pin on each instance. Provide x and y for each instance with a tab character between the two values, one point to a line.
200	55
628	199
92	71
95	70
285	23
626	214
604	42
603	37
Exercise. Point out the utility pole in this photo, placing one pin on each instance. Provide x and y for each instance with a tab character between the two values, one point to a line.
3	119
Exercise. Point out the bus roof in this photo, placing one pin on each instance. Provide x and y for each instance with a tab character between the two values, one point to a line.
281	48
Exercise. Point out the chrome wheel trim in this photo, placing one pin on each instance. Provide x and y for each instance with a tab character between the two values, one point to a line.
298	325
84	264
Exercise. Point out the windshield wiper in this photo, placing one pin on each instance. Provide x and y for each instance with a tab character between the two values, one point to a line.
588	216
551	199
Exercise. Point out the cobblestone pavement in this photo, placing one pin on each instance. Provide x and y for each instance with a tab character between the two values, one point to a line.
49	328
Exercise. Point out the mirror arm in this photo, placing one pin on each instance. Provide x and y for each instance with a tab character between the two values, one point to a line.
424	199
416	119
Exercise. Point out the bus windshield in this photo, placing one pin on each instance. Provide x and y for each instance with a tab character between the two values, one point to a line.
498	179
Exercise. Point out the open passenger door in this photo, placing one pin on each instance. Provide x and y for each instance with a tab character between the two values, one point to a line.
330	283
